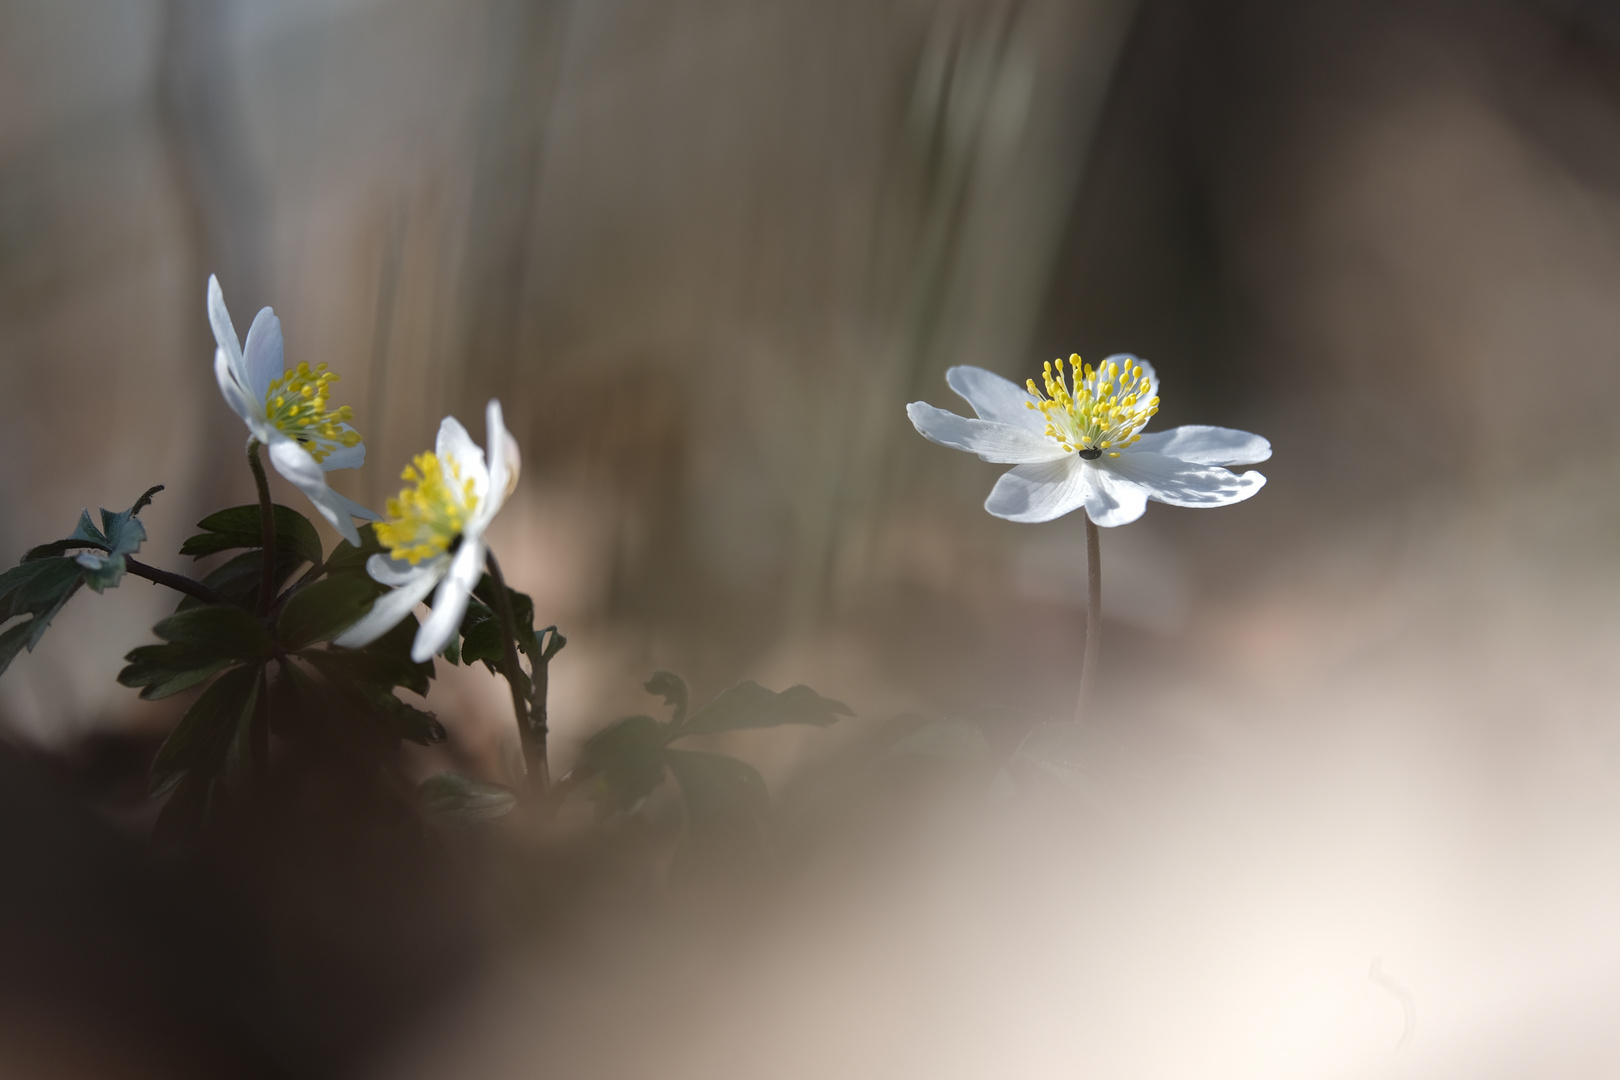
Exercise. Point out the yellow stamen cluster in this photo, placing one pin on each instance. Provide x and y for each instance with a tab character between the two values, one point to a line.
1105	410
296	404
427	517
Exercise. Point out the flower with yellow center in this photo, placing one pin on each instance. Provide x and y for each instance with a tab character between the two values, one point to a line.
1077	441
434	533
288	411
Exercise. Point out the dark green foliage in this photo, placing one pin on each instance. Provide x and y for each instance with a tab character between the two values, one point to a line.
199	742
238	578
161	670
727	809
240	527
324	609
47	577
218	631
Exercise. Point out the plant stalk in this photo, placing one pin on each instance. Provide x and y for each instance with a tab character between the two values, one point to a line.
1088	662
177	582
267	528
532	734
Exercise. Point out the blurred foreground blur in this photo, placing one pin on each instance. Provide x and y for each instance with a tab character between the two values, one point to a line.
1351	806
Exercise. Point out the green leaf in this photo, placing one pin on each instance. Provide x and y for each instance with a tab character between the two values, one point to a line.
162	670
36	585
239	527
224	631
348	559
628	758
239	577
368	665
39	589
749	705
201	738
483	642
672	688
457	799
102	567
324	609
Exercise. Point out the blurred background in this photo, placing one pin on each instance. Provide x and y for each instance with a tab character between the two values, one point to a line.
705	252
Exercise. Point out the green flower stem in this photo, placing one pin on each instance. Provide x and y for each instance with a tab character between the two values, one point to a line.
177	582
1088	662
267	528
533	734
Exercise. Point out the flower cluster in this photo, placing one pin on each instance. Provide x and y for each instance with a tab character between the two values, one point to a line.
434	528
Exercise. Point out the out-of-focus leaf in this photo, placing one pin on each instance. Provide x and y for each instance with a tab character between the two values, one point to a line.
483	642
184	812
727	809
200	739
363	682
226	631
750	705
239	527
953	738
453	798
162	670
325	608
672	688
377	668
628	760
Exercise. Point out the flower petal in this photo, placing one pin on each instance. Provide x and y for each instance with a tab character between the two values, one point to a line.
220	319
1204	445
504	463
1040	491
262	357
395	572
450	603
994	398
231	390
455	445
392	607
344	457
293	462
1182	483
996	442
1113	500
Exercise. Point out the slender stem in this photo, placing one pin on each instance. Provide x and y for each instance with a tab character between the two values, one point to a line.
267	528
1088	663
534	736
177	582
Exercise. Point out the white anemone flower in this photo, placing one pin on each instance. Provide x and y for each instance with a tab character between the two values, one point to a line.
1080	444
435	533
287	411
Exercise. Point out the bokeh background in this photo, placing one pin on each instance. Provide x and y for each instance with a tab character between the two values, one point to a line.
706	251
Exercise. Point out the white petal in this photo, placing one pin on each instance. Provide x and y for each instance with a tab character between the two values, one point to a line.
1204	445
344	457
450	603
995	398
391	608
262	358
455	445
503	467
220	319
1113	500
293	462
1040	492
1000	443
1124	359
396	572
352	508
1182	483
232	391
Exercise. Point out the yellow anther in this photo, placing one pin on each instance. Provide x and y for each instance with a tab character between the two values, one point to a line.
296	403
425	519
1104	407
